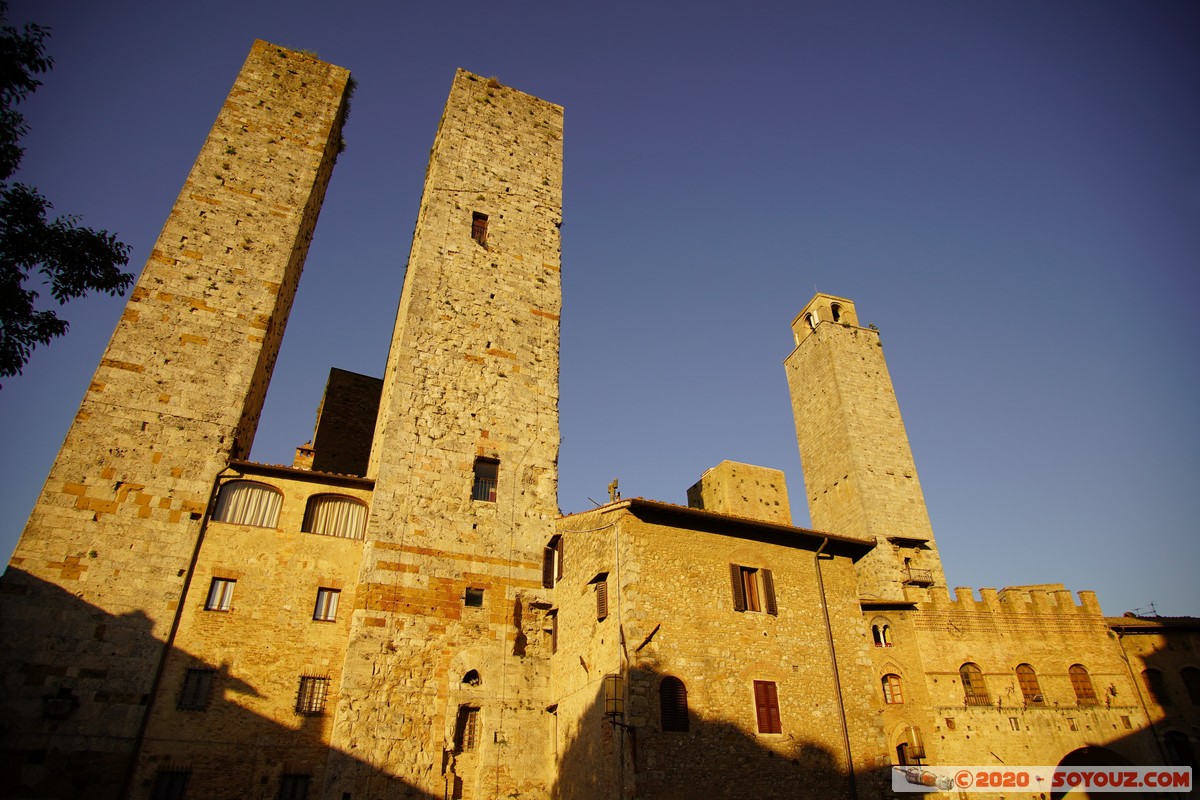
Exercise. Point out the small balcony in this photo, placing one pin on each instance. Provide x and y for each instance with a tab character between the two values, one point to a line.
918	577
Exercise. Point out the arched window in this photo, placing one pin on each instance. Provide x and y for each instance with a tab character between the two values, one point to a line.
881	634
1156	684
892	691
672	700
974	689
248	503
471	678
811	319
1081	682
836	310
1191	682
1030	690
335	515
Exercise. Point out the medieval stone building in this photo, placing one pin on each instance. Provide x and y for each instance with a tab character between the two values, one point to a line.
403	613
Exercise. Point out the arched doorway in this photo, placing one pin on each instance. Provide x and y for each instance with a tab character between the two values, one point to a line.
1093	757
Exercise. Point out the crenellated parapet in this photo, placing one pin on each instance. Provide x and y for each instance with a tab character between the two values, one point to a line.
1014	609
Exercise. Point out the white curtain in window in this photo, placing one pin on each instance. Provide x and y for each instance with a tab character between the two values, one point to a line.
248	503
334	515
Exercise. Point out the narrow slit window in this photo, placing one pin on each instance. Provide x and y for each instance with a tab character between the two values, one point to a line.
602	600
479	228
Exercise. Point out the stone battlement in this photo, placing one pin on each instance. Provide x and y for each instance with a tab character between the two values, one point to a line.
1013	600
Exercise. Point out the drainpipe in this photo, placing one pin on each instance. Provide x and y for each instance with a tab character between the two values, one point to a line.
168	646
837	683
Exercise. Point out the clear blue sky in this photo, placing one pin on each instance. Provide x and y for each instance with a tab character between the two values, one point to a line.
1009	190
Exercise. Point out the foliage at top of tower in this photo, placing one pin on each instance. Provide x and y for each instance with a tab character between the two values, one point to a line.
34	251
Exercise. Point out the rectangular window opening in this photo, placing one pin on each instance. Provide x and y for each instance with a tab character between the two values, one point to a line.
466	729
753	589
310	699
487	471
169	784
327	605
197	688
766	706
473	598
479	224
220	595
294	786
552	562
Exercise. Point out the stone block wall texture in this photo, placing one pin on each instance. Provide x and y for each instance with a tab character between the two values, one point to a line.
176	395
472	374
671	597
260	648
346	423
859	473
743	490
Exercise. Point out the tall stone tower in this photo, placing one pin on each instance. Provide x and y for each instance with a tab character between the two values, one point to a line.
446	638
92	593
858	467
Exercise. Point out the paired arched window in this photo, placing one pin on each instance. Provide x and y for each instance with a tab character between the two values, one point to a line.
892	690
335	515
672	700
974	688
248	503
1156	685
1191	682
1030	690
1081	682
881	634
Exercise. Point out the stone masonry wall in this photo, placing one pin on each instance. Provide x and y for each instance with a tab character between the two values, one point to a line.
858	467
177	393
472	373
674	616
259	649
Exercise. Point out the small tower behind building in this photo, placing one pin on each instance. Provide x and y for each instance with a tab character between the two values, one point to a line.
858	467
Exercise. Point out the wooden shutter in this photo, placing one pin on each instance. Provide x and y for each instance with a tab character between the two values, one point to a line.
601	600
558	550
768	582
672	695
739	592
548	567
766	705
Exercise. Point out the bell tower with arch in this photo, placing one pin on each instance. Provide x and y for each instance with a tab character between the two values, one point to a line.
859	474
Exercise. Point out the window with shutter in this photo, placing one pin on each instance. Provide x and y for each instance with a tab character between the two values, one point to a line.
602	600
672	700
974	688
220	595
753	589
1031	692
766	705
197	688
552	563
487	472
479	225
294	786
466	729
892	690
